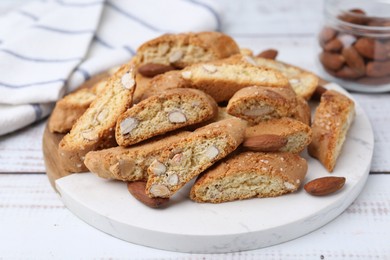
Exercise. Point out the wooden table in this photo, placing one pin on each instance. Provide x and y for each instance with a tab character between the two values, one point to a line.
35	224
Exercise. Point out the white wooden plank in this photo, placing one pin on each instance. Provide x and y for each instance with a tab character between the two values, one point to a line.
21	151
35	224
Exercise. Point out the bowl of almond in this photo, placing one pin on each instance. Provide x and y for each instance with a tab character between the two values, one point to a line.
355	44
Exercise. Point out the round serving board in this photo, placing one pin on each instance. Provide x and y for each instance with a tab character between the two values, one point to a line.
186	226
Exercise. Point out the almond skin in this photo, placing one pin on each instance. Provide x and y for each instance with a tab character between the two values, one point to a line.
354	60
365	47
334	45
332	61
137	189
372	49
268	54
153	69
324	186
347	73
265	143
327	34
318	93
354	16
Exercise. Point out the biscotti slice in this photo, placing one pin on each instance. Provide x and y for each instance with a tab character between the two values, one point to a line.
303	82
256	104
250	175
95	129
159	114
220	79
68	109
330	125
278	135
184	49
163	82
129	164
186	159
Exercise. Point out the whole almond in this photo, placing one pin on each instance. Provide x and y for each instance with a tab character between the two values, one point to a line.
355	16
318	93
347	73
324	186
378	69
334	45
137	189
265	143
372	49
327	34
332	61
354	60
153	69
358	11
365	47
268	54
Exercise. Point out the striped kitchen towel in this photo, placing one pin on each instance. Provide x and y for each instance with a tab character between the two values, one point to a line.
48	48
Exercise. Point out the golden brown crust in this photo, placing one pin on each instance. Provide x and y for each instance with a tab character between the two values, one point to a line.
129	164
303	82
220	79
331	122
249	175
172	109
184	160
256	104
68	109
163	82
298	134
94	130
181	50
66	113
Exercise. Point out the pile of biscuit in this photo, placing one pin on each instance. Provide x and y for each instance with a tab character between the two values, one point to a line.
195	105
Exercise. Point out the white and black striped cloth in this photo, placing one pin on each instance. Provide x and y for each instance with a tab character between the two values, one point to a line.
48	48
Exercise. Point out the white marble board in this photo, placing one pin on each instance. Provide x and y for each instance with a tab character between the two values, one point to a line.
186	226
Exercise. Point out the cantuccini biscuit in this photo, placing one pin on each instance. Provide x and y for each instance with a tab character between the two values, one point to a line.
184	160
68	109
129	164
250	175
256	104
95	129
303	82
296	135
184	49
172	109
330	125
220	79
